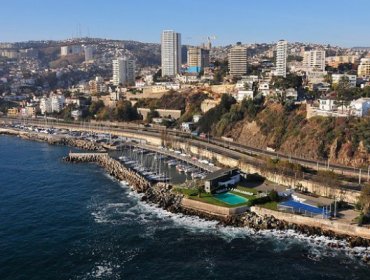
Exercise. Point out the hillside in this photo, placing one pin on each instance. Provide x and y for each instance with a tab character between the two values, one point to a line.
285	128
342	140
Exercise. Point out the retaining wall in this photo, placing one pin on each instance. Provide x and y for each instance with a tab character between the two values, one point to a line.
212	209
324	224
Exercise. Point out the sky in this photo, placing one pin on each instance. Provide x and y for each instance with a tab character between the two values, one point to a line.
337	22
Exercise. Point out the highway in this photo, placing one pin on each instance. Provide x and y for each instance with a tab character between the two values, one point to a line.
232	149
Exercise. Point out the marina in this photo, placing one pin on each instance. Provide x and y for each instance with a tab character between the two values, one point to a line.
161	165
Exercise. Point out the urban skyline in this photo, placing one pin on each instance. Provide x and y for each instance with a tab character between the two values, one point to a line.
315	23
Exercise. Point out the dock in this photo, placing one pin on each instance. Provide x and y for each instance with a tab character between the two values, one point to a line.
188	160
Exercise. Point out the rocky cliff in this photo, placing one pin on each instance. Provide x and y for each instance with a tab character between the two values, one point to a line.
342	140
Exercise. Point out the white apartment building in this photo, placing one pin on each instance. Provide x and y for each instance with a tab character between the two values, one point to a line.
170	53
264	88
281	58
123	71
244	94
54	103
327	104
57	103
363	69
337	77
314	60
64	50
360	107
89	53
73	49
314	77
45	105
238	60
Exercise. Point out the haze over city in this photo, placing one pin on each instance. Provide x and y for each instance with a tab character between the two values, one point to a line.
336	22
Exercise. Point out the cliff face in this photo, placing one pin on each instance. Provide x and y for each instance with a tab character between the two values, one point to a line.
342	140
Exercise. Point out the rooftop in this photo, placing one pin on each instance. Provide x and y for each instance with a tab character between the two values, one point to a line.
219	173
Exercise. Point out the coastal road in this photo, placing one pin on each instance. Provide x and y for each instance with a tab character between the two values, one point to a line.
234	150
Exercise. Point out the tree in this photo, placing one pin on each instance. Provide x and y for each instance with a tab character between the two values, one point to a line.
273	195
328	178
366	91
344	94
291	81
152	114
95	107
200	189
365	199
125	112
213	116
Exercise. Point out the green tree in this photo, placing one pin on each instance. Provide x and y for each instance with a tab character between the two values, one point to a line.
213	116
125	112
152	114
366	91
200	189
365	199
344	93
273	195
95	107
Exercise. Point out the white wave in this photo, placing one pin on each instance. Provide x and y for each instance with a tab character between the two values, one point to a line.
99	217
147	213
101	271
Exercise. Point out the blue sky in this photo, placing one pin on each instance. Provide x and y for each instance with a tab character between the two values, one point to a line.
338	22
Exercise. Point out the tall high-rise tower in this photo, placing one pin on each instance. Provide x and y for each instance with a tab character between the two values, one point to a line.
89	53
198	58
170	53
238	60
281	58
123	71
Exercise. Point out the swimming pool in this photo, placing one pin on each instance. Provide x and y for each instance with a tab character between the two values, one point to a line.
230	198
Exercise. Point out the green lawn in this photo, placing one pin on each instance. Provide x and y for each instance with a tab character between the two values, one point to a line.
270	205
246	189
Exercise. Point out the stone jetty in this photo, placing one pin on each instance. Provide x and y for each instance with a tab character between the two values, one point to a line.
64	140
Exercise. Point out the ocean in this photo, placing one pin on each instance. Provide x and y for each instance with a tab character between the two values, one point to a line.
72	221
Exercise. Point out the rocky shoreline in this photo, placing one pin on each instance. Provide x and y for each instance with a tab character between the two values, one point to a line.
162	195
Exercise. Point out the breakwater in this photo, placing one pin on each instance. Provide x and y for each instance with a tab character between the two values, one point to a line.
64	140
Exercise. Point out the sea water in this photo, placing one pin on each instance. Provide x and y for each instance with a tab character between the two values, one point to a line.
72	221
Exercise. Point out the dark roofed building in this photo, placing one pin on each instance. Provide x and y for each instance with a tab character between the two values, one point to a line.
221	179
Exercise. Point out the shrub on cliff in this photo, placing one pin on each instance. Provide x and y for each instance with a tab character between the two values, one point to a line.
213	116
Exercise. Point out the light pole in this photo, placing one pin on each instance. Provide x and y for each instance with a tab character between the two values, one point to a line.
359	176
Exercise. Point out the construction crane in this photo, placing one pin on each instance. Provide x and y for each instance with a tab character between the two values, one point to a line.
209	39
